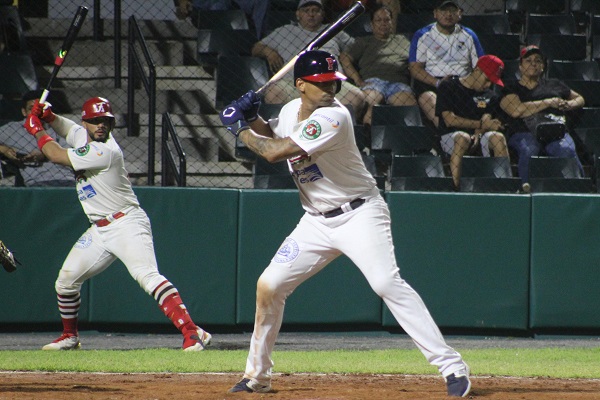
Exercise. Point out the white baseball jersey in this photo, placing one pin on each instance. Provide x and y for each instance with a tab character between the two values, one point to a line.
333	173
103	187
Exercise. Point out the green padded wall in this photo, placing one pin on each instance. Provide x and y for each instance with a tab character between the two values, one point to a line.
565	261
338	294
40	225
195	245
467	255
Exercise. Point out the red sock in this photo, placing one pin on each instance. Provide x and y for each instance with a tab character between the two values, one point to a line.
172	306
70	325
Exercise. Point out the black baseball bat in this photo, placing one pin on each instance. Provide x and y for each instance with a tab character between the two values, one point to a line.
66	46
323	37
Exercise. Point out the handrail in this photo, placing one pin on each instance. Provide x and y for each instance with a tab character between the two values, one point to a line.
135	65
169	166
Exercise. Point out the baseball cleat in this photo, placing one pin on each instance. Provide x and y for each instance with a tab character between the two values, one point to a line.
197	341
248	385
458	383
67	341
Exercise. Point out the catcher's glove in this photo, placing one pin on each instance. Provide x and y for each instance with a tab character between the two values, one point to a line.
8	261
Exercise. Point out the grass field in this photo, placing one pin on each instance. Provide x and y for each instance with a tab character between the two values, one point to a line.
544	362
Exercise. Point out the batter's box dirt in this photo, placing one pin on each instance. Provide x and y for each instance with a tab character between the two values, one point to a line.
76	386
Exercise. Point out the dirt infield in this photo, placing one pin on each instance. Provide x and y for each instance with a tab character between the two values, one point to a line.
76	386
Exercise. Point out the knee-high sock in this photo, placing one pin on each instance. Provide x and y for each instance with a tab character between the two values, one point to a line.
68	306
172	306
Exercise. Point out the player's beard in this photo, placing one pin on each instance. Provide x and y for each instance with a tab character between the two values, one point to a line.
100	137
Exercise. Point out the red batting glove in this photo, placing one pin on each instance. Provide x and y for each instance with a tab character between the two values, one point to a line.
43	111
33	124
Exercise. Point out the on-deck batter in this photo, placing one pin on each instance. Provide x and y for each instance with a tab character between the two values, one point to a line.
344	214
119	227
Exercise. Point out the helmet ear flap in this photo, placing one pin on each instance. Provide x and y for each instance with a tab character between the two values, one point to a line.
338	86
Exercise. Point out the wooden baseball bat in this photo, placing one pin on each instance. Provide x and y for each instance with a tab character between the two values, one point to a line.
66	46
323	37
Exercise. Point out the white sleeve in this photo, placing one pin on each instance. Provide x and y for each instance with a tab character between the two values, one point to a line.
91	156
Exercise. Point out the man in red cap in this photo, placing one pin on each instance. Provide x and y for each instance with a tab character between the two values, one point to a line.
467	109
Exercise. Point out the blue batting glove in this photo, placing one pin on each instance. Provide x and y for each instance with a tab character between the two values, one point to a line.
249	103
233	118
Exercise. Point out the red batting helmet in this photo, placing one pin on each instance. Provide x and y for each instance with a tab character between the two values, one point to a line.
318	66
96	107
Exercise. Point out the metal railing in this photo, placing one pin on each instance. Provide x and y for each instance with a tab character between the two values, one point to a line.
135	69
169	171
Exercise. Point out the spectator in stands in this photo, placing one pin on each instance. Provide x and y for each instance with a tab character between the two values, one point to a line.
20	149
467	110
378	64
532	100
441	50
285	42
256	10
335	7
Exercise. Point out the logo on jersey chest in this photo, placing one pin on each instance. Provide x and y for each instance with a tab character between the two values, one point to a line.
311	173
311	130
86	192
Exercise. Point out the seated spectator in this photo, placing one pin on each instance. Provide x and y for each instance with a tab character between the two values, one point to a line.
335	7
467	110
256	10
441	50
378	64
21	149
285	42
534	99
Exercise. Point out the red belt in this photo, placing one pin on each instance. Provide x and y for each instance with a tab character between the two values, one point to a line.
105	221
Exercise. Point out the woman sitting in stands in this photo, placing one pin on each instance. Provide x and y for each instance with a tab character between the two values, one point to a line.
537	109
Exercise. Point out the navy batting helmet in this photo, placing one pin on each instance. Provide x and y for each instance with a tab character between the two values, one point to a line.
318	66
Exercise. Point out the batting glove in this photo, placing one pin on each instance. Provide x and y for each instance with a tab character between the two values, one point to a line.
233	118
249	103
43	111
33	124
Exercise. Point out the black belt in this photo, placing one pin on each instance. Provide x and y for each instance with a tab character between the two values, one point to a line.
354	204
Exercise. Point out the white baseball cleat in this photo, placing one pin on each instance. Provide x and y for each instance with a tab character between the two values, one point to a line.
67	341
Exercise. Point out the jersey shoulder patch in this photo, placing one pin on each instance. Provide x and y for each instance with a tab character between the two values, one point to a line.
311	130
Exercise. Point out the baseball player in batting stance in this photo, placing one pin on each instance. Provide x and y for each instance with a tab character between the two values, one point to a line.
119	227
344	213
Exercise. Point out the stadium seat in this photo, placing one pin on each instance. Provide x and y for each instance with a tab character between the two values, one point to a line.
360	27
587	117
511	71
590	137
419	6
222	20
11	30
555	174
560	47
504	46
420	173
236	75
396	115
388	140
488	174
487	23
536	6
213	43
272	175
558	24
277	18
574	70
590	90
408	24
18	74
371	166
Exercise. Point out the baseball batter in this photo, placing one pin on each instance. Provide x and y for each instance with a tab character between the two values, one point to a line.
119	227
344	214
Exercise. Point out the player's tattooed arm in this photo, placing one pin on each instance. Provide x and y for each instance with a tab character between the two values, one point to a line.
271	149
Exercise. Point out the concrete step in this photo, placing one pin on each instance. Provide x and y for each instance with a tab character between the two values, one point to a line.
172	101
103	76
91	53
151	29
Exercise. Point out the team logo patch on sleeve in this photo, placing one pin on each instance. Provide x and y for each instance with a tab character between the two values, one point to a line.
311	130
82	151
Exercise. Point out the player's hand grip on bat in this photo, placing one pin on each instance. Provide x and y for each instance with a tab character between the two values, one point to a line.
43	111
232	117
33	124
250	104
